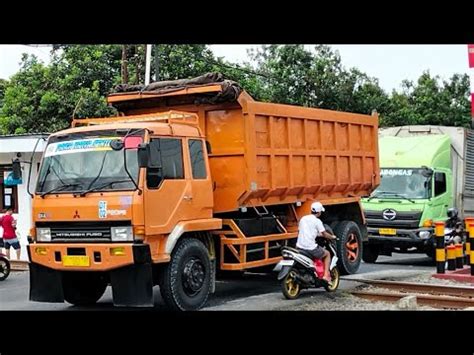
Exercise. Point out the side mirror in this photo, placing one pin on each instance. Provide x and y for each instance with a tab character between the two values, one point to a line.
117	144
16	167
143	155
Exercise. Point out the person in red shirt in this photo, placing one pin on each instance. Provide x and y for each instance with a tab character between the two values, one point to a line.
8	223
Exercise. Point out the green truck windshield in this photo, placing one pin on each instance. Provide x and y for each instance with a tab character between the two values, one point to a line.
409	183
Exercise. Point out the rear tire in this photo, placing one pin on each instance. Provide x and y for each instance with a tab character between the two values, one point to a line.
186	281
370	253
349	247
83	289
290	288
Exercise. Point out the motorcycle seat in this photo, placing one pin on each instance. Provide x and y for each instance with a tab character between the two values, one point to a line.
305	253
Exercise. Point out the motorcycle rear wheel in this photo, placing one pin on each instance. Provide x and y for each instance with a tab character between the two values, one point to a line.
334	284
290	287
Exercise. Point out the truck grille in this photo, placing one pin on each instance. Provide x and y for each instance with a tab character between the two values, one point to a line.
81	231
403	220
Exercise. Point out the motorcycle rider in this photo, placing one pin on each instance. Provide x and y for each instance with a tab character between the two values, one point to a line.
310	227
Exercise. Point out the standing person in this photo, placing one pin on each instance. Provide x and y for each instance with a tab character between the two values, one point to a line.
8	223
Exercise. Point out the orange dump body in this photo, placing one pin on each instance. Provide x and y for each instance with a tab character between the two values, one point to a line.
268	154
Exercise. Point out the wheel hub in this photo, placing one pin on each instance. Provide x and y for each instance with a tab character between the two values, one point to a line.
193	276
352	247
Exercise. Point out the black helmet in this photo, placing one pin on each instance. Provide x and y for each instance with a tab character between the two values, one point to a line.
453	212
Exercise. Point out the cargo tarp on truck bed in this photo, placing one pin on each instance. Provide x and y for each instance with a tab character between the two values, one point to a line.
230	89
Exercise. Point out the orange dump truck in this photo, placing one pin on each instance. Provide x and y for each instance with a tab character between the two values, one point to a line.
193	179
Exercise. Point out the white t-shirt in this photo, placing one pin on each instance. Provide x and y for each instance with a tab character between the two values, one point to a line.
309	228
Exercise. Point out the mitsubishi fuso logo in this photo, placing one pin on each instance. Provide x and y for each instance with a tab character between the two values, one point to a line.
389	214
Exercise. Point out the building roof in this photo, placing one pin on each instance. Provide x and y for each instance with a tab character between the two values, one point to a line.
25	135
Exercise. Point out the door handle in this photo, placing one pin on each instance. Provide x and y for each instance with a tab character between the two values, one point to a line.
187	198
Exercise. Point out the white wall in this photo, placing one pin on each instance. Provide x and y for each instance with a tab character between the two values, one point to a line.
23	216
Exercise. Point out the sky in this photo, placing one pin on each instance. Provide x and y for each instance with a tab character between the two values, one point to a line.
391	64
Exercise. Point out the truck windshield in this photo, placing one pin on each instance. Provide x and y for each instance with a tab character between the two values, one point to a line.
398	183
79	162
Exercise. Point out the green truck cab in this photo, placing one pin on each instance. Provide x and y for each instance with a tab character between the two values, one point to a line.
425	170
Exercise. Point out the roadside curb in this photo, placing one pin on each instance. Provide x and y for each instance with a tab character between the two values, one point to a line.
19	265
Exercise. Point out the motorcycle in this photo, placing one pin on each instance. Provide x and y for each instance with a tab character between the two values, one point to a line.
299	271
454	232
4	267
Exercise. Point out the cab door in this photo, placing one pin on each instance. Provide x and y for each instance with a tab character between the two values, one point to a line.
200	177
442	194
167	188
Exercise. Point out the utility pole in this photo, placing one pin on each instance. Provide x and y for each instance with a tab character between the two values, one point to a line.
124	64
147	64
157	63
470	53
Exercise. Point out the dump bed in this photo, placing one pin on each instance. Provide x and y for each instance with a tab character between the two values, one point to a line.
267	154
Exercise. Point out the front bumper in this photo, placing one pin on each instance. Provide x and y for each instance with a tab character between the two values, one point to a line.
403	237
130	274
51	255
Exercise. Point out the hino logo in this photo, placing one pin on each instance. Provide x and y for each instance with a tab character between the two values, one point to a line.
389	214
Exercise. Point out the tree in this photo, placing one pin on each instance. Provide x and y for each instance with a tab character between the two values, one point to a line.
3	85
430	102
43	98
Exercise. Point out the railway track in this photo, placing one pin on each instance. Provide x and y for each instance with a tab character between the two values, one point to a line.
436	296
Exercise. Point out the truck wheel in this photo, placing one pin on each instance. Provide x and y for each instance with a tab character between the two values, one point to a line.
370	253
186	281
82	289
431	252
349	247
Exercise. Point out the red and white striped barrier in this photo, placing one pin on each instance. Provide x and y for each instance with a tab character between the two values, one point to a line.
470	53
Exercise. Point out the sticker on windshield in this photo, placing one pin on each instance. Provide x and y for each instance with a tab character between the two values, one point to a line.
81	145
396	172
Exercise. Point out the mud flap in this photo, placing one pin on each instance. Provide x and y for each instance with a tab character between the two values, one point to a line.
45	284
284	271
132	286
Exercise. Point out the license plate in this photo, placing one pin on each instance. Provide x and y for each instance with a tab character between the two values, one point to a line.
75	260
388	231
286	262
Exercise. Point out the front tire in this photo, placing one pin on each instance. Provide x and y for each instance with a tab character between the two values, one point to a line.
186	281
349	247
290	287
370	253
83	289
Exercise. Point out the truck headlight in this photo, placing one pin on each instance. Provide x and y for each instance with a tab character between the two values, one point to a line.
43	234
122	234
424	234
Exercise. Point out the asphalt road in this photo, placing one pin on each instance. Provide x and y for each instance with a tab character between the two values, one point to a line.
14	290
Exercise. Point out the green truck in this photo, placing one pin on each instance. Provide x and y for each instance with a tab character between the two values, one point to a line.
425	170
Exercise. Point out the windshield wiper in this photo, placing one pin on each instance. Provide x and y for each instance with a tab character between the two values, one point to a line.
376	195
390	193
100	187
58	188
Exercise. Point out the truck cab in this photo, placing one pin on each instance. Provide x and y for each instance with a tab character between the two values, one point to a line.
416	189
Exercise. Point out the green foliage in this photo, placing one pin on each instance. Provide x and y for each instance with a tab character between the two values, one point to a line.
75	84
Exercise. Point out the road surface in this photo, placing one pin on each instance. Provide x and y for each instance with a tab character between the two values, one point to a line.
253	291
